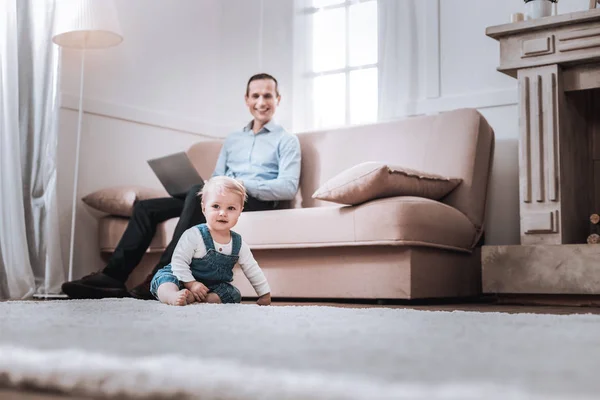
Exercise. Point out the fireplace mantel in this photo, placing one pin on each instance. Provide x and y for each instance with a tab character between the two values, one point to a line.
568	40
556	61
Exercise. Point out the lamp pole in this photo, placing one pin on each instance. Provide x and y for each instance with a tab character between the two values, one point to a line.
83	25
76	174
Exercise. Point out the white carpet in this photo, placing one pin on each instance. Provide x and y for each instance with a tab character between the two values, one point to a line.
139	348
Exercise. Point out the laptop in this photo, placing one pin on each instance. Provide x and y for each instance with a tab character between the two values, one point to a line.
176	173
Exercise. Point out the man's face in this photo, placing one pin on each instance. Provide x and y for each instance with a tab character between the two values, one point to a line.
262	100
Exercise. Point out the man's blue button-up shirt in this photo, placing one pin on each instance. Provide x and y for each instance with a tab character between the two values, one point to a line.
268	162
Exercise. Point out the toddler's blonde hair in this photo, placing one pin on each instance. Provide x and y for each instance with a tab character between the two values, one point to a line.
221	184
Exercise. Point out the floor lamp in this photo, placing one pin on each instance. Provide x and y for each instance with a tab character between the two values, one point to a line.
84	25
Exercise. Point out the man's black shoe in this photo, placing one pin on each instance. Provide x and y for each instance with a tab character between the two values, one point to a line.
95	286
142	291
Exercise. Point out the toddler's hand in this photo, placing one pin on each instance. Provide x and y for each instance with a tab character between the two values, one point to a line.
199	291
264	300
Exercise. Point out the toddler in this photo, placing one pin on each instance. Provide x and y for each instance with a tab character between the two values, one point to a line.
202	265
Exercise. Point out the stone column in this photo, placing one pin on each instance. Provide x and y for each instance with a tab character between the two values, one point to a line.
553	155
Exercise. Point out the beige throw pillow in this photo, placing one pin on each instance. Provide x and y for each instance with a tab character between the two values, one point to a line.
119	200
374	180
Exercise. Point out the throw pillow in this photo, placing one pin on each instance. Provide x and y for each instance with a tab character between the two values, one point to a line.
374	180
119	200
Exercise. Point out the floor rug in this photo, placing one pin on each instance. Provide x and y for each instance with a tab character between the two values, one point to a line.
140	349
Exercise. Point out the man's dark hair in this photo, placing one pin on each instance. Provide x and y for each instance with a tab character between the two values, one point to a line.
261	76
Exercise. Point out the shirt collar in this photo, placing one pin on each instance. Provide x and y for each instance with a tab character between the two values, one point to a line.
269	127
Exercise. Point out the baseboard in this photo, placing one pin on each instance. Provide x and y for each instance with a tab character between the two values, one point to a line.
551	300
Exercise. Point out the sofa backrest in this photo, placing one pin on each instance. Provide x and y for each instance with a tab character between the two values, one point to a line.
456	144
204	156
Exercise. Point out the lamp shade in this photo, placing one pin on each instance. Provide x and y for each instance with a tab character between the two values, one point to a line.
86	24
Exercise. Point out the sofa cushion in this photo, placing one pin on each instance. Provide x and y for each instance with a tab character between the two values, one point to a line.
413	220
392	221
119	200
374	180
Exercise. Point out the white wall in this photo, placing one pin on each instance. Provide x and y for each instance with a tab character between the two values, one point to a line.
113	152
184	63
180	74
254	39
178	77
164	65
468	61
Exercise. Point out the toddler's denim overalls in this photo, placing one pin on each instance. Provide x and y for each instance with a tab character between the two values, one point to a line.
215	270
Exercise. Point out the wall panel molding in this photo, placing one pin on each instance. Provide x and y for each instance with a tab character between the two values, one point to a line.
432	53
145	117
480	100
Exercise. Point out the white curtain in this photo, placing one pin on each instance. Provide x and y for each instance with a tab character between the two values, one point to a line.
398	58
30	260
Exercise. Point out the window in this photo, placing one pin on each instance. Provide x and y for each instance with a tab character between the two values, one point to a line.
341	73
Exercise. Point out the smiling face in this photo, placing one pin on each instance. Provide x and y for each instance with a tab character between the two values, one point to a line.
262	101
222	209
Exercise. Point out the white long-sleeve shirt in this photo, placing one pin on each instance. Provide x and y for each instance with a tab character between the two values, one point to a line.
191	245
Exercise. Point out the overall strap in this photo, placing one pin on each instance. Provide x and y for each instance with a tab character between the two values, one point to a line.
208	241
237	244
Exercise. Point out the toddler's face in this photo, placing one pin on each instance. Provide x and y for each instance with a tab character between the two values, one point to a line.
222	210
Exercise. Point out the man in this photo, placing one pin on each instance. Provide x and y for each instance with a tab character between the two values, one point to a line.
263	156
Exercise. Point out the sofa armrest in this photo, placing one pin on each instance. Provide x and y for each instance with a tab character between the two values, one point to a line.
120	200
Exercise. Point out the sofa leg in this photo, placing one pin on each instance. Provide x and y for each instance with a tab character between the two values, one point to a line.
382	302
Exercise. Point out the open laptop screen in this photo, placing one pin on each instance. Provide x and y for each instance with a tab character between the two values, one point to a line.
176	173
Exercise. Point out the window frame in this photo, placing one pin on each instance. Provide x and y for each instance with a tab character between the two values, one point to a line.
304	76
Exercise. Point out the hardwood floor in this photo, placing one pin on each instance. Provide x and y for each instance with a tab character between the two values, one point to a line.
7	394
507	308
517	304
512	304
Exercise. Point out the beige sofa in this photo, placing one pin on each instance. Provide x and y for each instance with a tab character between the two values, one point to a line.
391	248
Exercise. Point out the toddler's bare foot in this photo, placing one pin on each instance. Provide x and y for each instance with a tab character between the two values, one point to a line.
179	298
212	297
190	297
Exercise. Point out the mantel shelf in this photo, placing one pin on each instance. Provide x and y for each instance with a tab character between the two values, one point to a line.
568	40
499	31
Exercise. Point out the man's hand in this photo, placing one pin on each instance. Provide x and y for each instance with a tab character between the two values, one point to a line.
264	300
199	291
